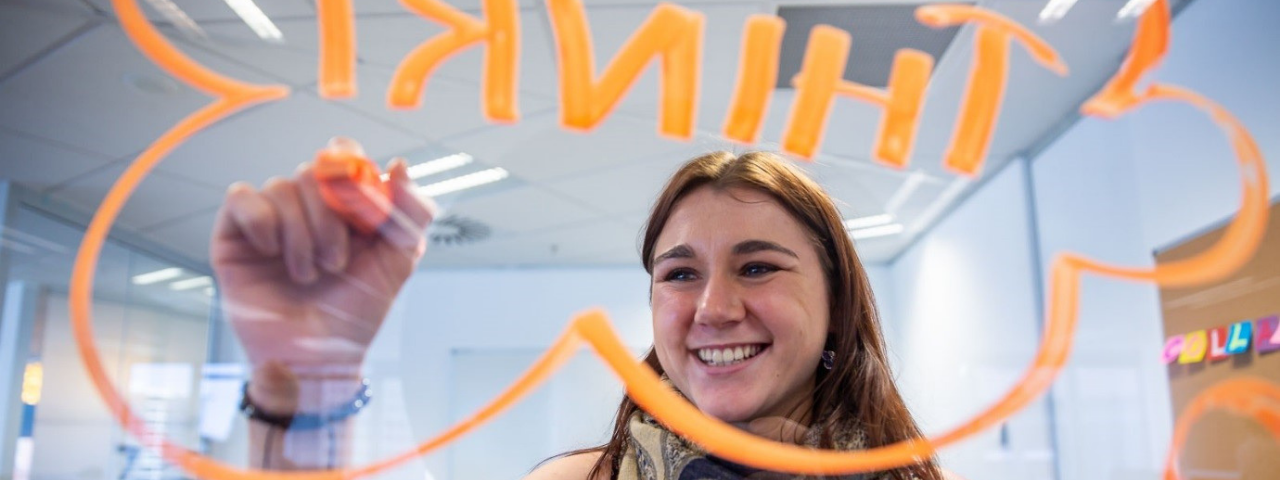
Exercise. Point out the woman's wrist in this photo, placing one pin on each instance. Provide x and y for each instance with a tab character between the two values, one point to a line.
279	389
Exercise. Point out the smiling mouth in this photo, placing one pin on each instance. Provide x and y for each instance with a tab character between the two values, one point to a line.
721	357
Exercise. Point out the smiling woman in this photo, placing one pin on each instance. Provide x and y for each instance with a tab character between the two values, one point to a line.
762	318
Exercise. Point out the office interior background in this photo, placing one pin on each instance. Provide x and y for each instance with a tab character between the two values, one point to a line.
958	263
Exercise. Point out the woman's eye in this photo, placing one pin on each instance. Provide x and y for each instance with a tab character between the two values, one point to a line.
678	275
758	269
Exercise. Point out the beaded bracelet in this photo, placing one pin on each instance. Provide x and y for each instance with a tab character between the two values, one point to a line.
306	421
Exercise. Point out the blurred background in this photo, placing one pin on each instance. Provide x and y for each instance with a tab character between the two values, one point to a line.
545	222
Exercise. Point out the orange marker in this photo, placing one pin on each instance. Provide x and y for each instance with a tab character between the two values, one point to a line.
350	185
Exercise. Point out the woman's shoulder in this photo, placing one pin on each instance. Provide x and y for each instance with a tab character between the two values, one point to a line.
574	467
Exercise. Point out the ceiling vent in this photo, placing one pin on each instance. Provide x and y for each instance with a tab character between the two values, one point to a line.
877	31
454	230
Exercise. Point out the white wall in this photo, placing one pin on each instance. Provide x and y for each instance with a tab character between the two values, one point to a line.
964	325
445	316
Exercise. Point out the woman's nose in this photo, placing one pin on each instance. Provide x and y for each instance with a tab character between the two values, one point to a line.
720	303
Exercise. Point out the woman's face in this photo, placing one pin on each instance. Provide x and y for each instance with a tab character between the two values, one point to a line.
740	307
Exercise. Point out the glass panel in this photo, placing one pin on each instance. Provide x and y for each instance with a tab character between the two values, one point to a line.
246	263
152	342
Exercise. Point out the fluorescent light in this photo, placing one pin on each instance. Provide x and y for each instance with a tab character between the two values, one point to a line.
1133	9
178	18
191	283
157	276
1055	10
439	165
867	222
464	182
256	20
880	231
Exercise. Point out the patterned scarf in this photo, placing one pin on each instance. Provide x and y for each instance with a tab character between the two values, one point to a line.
655	453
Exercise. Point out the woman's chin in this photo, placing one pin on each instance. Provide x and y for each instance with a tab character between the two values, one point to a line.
726	412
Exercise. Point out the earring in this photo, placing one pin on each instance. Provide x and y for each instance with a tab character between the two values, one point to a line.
828	359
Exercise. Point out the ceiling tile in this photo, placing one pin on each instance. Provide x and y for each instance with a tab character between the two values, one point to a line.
448	107
271	140
158	199
624	189
550	247
386	41
95	93
522	209
64	7
293	61
203	10
26	31
367	7
538	149
39	164
189	236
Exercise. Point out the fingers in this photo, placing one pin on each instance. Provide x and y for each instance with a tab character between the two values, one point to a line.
298	246
411	214
331	235
247	214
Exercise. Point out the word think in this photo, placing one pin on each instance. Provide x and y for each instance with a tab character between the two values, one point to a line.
1222	342
672	36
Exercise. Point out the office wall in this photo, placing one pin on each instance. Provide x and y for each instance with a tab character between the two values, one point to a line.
964	326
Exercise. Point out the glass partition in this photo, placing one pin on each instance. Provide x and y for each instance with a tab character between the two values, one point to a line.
331	278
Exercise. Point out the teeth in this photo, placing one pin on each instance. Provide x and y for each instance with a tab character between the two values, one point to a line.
718	357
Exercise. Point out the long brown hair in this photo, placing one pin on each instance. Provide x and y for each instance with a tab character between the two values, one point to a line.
858	393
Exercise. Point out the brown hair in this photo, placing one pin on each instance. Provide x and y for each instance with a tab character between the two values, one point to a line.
858	393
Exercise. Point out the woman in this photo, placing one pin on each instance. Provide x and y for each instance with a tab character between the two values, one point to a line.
763	316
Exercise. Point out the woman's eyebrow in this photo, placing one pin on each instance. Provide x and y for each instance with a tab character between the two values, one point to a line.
678	251
752	246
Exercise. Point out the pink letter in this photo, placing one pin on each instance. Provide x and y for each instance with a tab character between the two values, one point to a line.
1268	334
1172	348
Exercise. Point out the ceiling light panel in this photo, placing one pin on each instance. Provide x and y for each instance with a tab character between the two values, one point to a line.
880	231
157	276
438	165
257	21
470	180
1055	10
1133	9
868	221
190	283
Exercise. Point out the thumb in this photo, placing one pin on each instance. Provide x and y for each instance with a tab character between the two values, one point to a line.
345	144
412	212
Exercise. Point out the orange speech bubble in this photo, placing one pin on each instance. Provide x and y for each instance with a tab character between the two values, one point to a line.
1251	397
1232	250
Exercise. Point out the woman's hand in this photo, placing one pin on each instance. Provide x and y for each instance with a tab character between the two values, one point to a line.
300	287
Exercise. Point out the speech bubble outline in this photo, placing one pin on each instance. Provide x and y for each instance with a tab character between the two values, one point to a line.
1234	249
